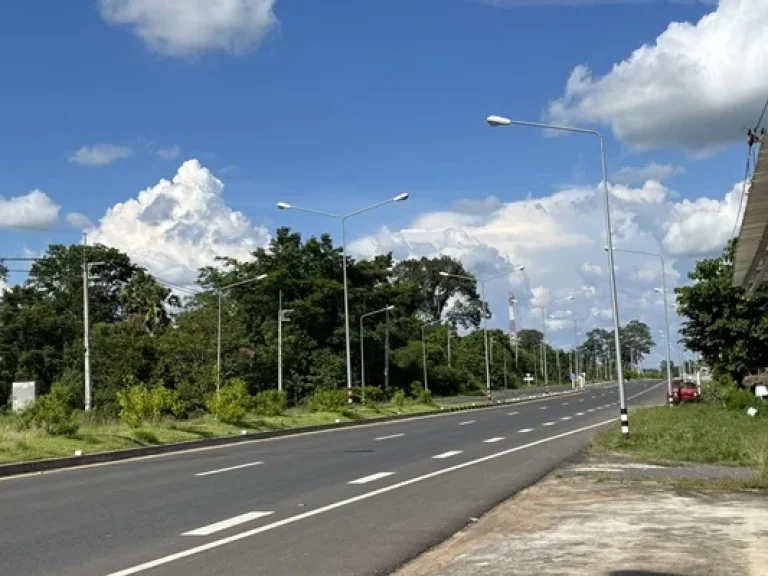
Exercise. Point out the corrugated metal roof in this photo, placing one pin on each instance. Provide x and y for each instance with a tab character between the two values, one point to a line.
751	262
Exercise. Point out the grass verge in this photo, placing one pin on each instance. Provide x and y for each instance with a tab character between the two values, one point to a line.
694	433
17	446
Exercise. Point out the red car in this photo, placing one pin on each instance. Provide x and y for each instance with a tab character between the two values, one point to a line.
684	391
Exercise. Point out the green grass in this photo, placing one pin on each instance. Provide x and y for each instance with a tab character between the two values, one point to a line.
700	433
19	446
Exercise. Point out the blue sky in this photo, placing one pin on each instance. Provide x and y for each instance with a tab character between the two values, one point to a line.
343	104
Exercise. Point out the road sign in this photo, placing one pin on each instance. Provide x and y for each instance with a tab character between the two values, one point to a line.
528	378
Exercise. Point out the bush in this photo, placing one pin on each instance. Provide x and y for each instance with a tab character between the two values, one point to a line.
372	394
328	401
415	388
139	404
425	397
398	399
740	399
52	412
270	403
231	403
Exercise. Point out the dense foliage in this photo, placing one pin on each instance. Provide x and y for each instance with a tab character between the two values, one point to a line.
153	353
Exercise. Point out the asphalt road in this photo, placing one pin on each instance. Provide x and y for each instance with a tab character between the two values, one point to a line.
353	501
509	394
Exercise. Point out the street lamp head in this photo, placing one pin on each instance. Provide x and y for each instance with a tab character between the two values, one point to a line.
520	268
284	206
261	276
444	274
659	290
498	121
570	297
401	197
390	307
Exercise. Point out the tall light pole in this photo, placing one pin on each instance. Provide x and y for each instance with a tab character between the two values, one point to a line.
223	289
501	121
282	316
87	393
544	342
482	283
663	291
343	219
362	345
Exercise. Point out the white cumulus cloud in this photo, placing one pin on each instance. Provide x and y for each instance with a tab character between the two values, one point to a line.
78	220
188	27
34	209
696	87
653	171
180	225
99	155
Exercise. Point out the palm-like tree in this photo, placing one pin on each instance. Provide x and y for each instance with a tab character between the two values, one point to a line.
147	301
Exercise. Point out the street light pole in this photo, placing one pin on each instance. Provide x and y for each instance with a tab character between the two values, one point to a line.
485	315
362	346
343	219
501	121
424	349
223	289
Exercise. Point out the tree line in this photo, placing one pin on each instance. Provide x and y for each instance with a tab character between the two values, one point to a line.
143	331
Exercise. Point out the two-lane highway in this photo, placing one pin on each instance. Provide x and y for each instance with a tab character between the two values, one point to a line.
349	501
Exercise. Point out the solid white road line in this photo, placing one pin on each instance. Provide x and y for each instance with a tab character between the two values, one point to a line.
447	454
342	503
548	424
513	413
389	437
525	430
371	478
467	422
493	440
220	470
228	523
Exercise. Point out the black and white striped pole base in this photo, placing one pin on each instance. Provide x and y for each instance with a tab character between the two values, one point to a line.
624	422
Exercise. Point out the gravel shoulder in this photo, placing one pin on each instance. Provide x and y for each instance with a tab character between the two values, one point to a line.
607	516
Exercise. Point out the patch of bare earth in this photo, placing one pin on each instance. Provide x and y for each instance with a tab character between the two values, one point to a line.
581	525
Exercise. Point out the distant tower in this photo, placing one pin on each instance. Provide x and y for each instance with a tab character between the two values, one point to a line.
512	325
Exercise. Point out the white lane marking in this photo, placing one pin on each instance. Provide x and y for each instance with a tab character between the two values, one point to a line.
447	454
342	503
599	407
565	418
591	410
564	404
593	397
579	413
581	400
525	430
493	440
513	413
371	478
543	408
467	422
221	470
548	424
228	523
389	437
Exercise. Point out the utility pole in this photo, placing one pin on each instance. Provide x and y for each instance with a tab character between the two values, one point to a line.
282	316
449	345
505	373
86	342
386	351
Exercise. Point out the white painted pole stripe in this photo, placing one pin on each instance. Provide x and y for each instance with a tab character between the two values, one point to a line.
447	454
228	523
371	478
493	440
221	470
525	430
467	422
342	503
389	437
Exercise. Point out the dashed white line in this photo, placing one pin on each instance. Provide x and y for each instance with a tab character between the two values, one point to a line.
228	523
390	437
371	478
447	454
467	422
548	424
579	413
593	397
221	470
525	430
565	418
513	413
591	410
581	399
564	404
543	408
493	440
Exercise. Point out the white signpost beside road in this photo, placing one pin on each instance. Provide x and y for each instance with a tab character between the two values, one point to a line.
528	378
23	394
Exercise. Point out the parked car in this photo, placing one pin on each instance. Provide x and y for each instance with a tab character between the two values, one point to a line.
684	391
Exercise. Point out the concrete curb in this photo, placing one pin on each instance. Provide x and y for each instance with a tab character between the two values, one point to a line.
36	466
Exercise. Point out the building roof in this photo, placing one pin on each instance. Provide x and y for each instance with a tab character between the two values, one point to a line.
750	266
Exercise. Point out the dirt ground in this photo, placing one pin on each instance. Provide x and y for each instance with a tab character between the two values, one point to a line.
586	525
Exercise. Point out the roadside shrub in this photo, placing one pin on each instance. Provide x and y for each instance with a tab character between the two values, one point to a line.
231	403
52	413
398	399
425	397
372	394
139	404
327	401
415	387
740	399
270	403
